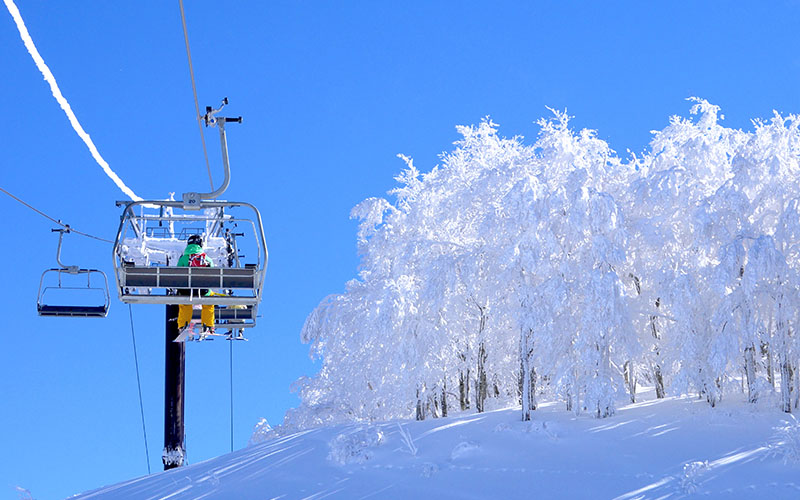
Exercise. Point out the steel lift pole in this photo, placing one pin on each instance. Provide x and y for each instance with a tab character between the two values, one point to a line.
174	393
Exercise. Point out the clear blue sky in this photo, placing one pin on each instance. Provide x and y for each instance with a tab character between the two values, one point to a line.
330	93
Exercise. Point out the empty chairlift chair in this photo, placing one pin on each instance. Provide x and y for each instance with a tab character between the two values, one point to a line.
69	291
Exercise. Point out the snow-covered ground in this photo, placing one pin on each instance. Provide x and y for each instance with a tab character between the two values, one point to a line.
671	448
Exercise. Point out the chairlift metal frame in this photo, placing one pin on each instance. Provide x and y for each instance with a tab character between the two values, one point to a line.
139	284
75	311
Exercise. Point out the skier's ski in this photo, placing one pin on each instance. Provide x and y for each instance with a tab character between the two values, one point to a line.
185	333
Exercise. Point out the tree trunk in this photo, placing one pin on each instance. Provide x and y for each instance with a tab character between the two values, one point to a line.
790	395
767	348
574	394
604	406
766	351
444	399
711	396
480	379
420	413
526	389
630	380
658	379
527	374
750	373
532	404
659	382
786	385
711	399
463	389
794	387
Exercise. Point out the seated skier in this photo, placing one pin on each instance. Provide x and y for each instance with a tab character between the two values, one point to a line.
193	256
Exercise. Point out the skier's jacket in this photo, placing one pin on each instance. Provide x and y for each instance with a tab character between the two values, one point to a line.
194	253
193	256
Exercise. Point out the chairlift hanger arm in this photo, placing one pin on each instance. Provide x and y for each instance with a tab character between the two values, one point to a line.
192	199
61	232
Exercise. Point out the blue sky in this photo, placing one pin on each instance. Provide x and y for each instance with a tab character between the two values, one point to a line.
330	93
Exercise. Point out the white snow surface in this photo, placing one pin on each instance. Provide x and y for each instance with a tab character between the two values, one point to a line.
677	447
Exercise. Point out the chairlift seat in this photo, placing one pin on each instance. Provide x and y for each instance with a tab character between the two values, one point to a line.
73	311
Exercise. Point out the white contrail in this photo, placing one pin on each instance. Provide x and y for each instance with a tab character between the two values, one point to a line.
48	76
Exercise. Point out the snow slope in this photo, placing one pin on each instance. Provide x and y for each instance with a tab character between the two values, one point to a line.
668	448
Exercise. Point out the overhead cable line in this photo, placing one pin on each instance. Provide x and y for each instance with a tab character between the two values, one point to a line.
139	385
194	92
57	221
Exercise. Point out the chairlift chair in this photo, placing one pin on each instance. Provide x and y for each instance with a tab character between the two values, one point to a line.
144	259
52	284
152	235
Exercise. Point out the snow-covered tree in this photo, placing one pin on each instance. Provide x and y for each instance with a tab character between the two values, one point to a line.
511	272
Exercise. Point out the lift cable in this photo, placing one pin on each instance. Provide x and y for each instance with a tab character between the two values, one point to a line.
194	92
139	385
57	221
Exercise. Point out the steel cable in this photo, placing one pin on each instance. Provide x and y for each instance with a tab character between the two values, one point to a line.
194	92
139	385
57	221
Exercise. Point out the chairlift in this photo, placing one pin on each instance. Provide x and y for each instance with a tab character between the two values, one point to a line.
59	287
152	236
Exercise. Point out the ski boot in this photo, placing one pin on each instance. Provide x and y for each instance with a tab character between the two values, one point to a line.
208	331
235	335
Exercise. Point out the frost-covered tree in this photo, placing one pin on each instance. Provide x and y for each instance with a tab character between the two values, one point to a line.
513	272
670	256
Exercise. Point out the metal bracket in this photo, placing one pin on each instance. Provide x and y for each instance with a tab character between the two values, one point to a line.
191	201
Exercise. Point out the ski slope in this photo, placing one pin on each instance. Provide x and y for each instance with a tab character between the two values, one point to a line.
671	448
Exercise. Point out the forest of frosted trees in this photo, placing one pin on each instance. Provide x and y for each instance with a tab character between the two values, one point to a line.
513	274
